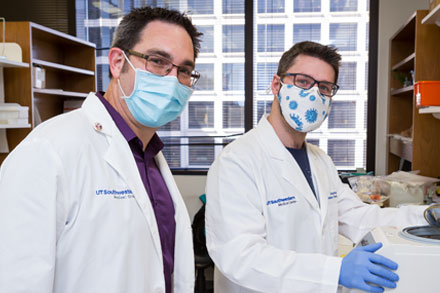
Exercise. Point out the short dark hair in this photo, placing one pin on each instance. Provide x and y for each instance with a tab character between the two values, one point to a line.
325	53
128	32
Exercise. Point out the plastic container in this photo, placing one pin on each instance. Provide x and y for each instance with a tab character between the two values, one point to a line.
427	93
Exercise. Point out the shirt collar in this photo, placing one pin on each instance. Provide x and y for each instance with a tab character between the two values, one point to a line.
154	146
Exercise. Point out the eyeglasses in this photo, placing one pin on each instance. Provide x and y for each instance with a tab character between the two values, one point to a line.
162	66
306	82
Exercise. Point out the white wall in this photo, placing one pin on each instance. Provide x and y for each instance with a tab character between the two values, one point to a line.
392	15
191	187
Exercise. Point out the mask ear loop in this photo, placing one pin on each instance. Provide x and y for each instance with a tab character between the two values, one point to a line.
124	96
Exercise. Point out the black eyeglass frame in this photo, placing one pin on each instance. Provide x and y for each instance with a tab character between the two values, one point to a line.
195	75
333	86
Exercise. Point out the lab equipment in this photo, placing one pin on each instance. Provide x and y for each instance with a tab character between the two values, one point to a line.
416	250
432	215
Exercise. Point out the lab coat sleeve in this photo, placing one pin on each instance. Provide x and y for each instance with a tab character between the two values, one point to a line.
236	237
357	218
29	186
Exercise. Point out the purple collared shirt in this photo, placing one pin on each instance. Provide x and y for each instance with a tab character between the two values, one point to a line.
154	185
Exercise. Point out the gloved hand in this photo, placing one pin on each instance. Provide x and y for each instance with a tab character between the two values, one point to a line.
362	265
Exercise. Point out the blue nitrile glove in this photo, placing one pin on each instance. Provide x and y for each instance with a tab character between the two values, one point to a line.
362	265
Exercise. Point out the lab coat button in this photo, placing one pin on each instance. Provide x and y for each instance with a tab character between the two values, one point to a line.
159	290
98	126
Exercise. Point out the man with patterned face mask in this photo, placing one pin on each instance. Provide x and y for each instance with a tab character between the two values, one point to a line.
87	201
275	203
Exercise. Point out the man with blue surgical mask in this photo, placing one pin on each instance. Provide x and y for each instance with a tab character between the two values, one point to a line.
94	207
275	203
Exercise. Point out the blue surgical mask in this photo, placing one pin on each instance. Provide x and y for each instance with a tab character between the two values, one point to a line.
155	100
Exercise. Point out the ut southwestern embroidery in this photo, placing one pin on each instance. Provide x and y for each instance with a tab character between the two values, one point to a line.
117	194
282	201
333	195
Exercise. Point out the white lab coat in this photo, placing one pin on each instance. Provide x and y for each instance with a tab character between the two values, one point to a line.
75	215
266	231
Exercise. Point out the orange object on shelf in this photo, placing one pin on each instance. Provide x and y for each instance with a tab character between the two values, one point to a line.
427	93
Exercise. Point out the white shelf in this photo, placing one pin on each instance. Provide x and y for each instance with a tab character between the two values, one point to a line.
434	110
11	64
62	67
433	17
4	126
58	92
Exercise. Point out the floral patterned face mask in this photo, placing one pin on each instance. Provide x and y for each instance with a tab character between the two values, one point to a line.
304	110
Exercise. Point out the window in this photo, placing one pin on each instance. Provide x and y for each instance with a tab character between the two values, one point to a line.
270	6
207	38
265	73
217	106
367	36
344	36
103	35
233	7
102	70
172	4
206	81
307	6
365	115
313	141
263	107
194	7
343	5
366	76
233	114
201	114
172	151
233	40
342	115
270	38
342	152
201	151
347	76
233	76
103	9
306	32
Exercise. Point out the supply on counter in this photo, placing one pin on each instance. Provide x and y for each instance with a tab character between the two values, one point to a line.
400	188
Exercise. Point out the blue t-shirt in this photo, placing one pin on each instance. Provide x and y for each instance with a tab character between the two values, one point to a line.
301	158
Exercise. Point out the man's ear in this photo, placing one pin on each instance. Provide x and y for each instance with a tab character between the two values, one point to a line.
276	85
116	61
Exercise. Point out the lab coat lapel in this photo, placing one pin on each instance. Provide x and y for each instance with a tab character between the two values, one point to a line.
288	166
120	157
294	175
319	179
